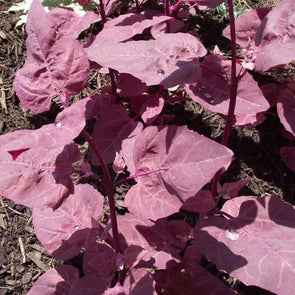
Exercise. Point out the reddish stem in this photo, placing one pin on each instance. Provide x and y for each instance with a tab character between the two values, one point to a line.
233	91
109	190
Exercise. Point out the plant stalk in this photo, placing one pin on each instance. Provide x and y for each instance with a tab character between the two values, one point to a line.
233	91
109	190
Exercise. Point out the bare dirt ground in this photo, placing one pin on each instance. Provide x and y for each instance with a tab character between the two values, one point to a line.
23	259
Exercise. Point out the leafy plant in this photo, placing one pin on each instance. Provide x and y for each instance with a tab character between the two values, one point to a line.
148	250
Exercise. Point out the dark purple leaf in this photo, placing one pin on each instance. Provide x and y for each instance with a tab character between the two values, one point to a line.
288	156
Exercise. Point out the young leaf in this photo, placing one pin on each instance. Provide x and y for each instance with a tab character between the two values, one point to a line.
53	65
256	245
166	177
65	230
147	60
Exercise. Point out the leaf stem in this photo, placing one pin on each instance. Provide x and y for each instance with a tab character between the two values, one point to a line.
109	190
233	91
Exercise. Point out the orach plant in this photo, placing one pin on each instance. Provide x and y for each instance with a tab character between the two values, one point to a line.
146	251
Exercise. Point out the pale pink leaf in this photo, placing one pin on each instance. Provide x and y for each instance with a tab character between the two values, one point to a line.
286	109
151	109
53	64
69	23
126	26
175	25
166	178
38	177
148	61
288	156
65	230
256	245
250	121
58	281
276	37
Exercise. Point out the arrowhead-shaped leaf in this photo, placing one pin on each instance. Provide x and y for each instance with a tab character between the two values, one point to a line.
256	245
166	177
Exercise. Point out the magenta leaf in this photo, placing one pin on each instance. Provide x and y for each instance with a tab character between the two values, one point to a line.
70	24
90	285
124	27
147	60
286	109
288	156
38	177
54	64
65	230
213	91
58	281
258	238
166	178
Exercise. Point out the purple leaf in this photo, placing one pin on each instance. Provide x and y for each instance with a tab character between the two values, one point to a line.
38	177
208	4
115	131
65	230
202	203
124	27
256	245
69	23
53	65
130	86
166	178
151	109
67	126
213	91
231	190
58	281
197	280
100	259
147	60
286	109
90	285
288	156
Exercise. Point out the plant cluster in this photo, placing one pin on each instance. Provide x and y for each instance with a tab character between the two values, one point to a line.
146	251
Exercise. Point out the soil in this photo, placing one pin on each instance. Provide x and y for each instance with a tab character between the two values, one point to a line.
23	259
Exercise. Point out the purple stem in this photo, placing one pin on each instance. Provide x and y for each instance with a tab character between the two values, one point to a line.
109	190
233	91
167	12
